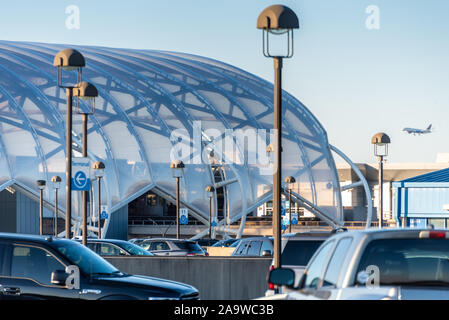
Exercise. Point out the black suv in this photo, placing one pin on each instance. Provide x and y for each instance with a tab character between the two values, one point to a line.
40	267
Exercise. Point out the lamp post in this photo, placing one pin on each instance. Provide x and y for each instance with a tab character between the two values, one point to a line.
277	20
69	60
41	185
210	191
56	180
86	92
99	173
380	141
290	181
177	167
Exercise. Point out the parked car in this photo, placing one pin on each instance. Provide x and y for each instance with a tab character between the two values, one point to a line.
206	242
172	247
254	247
136	240
296	251
114	247
387	264
225	243
43	267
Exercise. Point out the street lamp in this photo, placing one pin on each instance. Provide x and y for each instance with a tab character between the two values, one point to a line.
177	167
56	180
87	92
210	191
41	185
99	173
277	20
290	181
69	60
380	141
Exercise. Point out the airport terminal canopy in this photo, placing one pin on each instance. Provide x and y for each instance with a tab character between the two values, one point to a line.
154	107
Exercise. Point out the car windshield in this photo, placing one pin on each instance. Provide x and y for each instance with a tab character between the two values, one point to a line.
87	260
134	249
299	252
417	262
189	246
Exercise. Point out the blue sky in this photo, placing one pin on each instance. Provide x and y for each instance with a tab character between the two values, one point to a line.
355	80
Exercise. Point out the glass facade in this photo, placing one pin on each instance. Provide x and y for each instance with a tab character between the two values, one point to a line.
153	107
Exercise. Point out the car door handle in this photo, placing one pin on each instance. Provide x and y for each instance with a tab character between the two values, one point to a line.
90	291
10	291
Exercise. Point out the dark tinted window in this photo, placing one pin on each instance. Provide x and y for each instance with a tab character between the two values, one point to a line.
34	263
2	259
299	252
189	246
413	261
88	261
254	248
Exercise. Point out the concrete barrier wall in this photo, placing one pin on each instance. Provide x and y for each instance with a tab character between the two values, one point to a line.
216	278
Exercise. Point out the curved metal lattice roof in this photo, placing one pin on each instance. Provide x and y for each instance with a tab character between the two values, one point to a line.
148	101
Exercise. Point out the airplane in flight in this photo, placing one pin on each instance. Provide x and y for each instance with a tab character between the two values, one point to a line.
418	131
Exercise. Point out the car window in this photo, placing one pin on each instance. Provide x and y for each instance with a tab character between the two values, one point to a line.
92	246
254	248
191	247
299	252
266	246
135	249
159	245
241	249
334	266
35	263
315	269
2	259
107	249
408	261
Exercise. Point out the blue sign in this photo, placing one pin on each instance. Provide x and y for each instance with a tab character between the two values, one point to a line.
214	222
282	211
294	218
104	215
80	182
183	220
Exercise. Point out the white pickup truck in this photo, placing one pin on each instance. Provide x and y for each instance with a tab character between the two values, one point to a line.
371	264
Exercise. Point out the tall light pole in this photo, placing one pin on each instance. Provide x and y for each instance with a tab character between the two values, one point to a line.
210	191
177	167
99	173
290	181
87	92
56	180
69	60
380	141
277	20
41	185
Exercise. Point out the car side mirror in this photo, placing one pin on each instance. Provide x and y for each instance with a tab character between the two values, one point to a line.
59	277
282	277
266	253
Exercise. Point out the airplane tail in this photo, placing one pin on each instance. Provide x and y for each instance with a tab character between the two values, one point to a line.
429	127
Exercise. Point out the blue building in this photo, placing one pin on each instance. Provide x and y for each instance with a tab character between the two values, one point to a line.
423	200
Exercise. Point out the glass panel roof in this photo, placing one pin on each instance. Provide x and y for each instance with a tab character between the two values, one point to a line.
151	104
